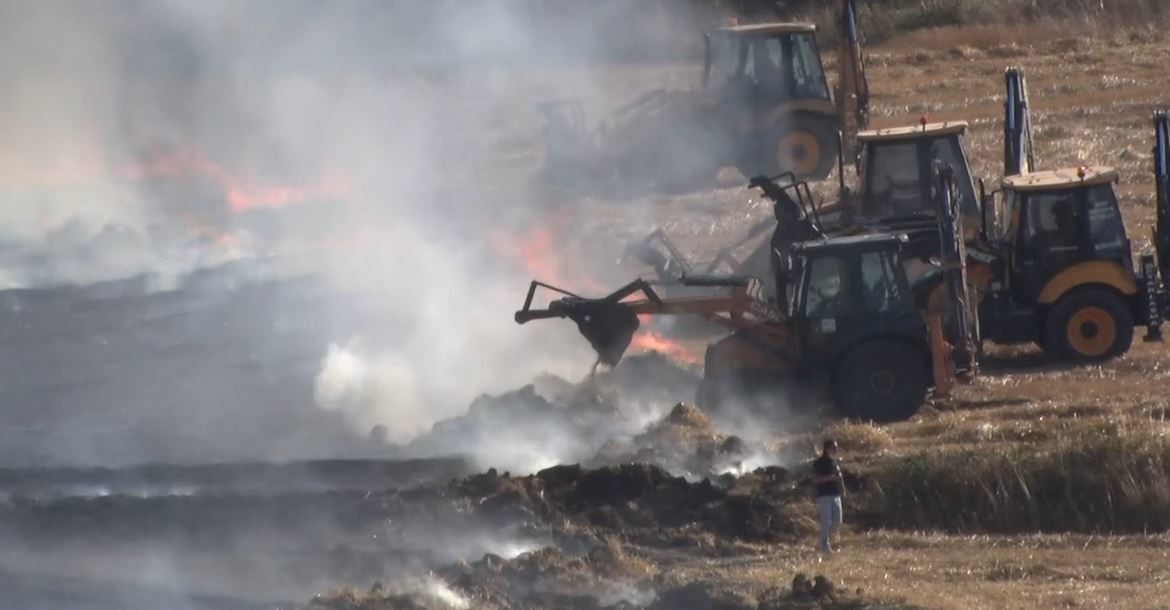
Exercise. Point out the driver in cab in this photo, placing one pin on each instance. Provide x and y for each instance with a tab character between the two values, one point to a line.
827	295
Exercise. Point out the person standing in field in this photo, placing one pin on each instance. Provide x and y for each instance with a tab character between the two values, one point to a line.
829	486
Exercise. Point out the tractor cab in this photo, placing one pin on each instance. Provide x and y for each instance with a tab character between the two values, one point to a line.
1065	275
847	289
764	65
1060	219
895	171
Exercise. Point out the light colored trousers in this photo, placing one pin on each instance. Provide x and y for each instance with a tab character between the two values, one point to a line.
829	508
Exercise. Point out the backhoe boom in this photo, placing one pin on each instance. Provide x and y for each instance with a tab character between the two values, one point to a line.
1018	157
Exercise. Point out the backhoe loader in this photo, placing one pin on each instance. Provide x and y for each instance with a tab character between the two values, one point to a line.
894	191
1063	275
850	317
764	107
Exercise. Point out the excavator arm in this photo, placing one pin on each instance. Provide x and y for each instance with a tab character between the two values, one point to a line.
953	256
1155	268
1162	177
853	84
1018	157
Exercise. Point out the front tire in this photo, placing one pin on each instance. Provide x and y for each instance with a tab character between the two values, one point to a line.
1089	325
881	381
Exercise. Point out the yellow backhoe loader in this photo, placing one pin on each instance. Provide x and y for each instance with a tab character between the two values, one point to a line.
764	107
1063	273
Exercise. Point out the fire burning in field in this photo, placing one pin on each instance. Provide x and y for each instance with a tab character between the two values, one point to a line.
180	186
240	194
650	341
647	340
240	191
535	251
533	248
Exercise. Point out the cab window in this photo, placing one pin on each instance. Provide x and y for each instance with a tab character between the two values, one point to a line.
1106	231
827	294
808	75
949	152
1051	226
767	66
893	179
900	178
884	291
723	57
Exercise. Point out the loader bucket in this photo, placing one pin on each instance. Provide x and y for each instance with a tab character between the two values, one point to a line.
609	328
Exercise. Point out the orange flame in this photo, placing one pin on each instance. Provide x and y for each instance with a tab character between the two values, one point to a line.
647	340
239	194
650	341
535	250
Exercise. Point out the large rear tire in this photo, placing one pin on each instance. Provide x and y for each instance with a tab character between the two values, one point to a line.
881	381
805	146
1089	325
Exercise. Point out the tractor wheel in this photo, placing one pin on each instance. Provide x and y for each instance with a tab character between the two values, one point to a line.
881	381
1089	325
805	147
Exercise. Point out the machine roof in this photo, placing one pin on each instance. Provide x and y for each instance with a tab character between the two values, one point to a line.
1066	178
769	28
852	241
913	132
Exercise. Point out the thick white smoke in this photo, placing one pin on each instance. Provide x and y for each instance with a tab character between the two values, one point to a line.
371	392
434	132
426	112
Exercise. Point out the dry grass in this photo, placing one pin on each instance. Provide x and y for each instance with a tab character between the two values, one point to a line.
1095	479
980	37
980	21
860	438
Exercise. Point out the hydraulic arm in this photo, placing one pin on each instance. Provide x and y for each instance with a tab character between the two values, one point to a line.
854	85
1017	126
1155	268
953	256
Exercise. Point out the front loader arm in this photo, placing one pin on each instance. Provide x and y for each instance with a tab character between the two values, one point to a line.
609	322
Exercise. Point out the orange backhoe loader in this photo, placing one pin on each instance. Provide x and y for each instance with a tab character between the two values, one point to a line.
850	316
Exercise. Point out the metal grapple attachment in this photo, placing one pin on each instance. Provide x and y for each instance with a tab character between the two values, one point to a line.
607	323
609	328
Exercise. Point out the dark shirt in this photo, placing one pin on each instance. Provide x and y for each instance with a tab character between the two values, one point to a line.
826	466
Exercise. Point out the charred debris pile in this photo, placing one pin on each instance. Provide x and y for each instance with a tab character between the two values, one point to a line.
552	580
619	415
